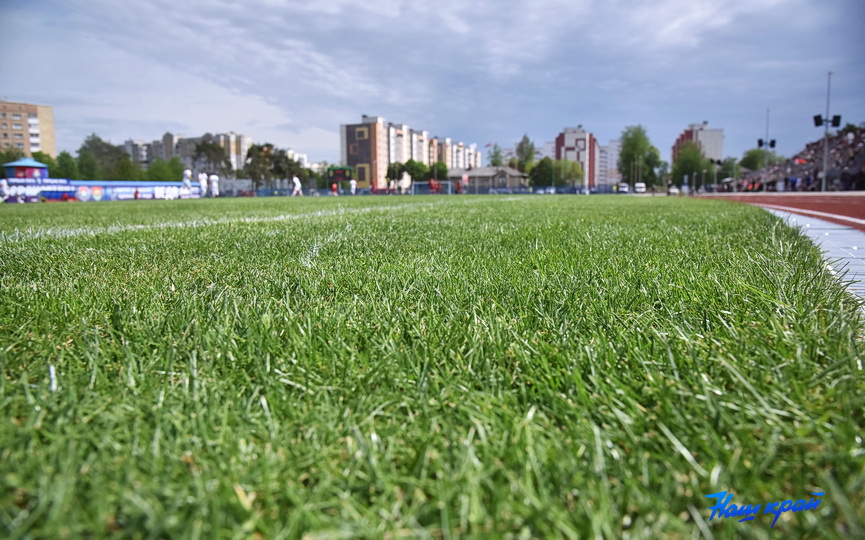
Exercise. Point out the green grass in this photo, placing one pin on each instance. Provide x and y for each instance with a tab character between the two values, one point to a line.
552	366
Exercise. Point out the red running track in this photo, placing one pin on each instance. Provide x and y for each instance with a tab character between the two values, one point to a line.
845	209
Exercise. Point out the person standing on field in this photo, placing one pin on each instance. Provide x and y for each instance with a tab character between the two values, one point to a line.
202	183
187	179
353	186
214	185
334	189
298	192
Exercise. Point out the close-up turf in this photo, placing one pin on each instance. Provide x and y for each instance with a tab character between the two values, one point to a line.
480	366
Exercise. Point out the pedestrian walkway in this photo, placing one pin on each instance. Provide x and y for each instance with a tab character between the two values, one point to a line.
843	247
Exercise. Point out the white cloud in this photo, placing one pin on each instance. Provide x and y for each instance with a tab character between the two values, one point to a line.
290	72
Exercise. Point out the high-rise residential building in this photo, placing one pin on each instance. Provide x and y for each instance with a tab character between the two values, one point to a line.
710	141
170	146
375	143
365	148
608	165
548	150
577	144
27	127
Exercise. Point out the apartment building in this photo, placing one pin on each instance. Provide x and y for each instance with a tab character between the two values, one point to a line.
370	146
608	164
235	145
27	127
710	141
577	144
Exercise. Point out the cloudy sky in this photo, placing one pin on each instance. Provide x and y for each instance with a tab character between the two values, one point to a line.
290	72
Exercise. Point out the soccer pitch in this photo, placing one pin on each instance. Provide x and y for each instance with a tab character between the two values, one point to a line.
525	366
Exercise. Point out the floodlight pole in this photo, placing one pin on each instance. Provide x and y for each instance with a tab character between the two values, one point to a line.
766	152
826	134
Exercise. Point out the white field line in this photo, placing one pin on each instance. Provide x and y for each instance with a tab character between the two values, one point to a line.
813	213
61	232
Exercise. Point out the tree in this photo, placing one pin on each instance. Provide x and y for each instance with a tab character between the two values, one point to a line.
284	167
211	157
10	155
127	170
542	173
525	154
395	170
106	155
567	172
496	157
176	168
67	166
159	171
259	163
416	169
439	171
49	162
690	162
758	158
639	160
88	166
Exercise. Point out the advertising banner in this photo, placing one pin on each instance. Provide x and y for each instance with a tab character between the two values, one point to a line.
62	189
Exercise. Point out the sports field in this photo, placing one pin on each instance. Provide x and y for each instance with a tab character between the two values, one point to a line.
523	366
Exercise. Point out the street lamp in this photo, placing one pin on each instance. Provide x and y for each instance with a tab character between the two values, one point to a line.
703	182
715	164
824	121
768	144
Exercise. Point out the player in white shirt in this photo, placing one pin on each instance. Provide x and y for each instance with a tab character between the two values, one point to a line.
202	183
187	178
298	192
214	185
352	184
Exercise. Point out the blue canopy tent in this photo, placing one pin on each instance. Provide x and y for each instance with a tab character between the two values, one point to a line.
25	168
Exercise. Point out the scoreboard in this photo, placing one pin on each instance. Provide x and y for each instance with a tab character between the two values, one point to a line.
338	174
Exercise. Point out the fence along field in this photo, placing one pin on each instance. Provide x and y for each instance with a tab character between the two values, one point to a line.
537	366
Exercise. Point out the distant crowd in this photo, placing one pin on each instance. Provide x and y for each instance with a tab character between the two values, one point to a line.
804	171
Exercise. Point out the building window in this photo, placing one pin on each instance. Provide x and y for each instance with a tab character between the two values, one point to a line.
16	116
361	133
17	136
362	172
352	149
33	116
17	126
19	145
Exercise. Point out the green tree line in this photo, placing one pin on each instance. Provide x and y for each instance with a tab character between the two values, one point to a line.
98	159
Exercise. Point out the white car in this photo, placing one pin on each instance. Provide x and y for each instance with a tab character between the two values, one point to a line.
640	187
673	190
624	188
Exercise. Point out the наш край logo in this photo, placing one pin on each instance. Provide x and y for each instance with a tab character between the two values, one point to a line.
724	509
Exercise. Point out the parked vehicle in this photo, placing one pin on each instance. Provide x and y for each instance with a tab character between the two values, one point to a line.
640	187
673	190
624	188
